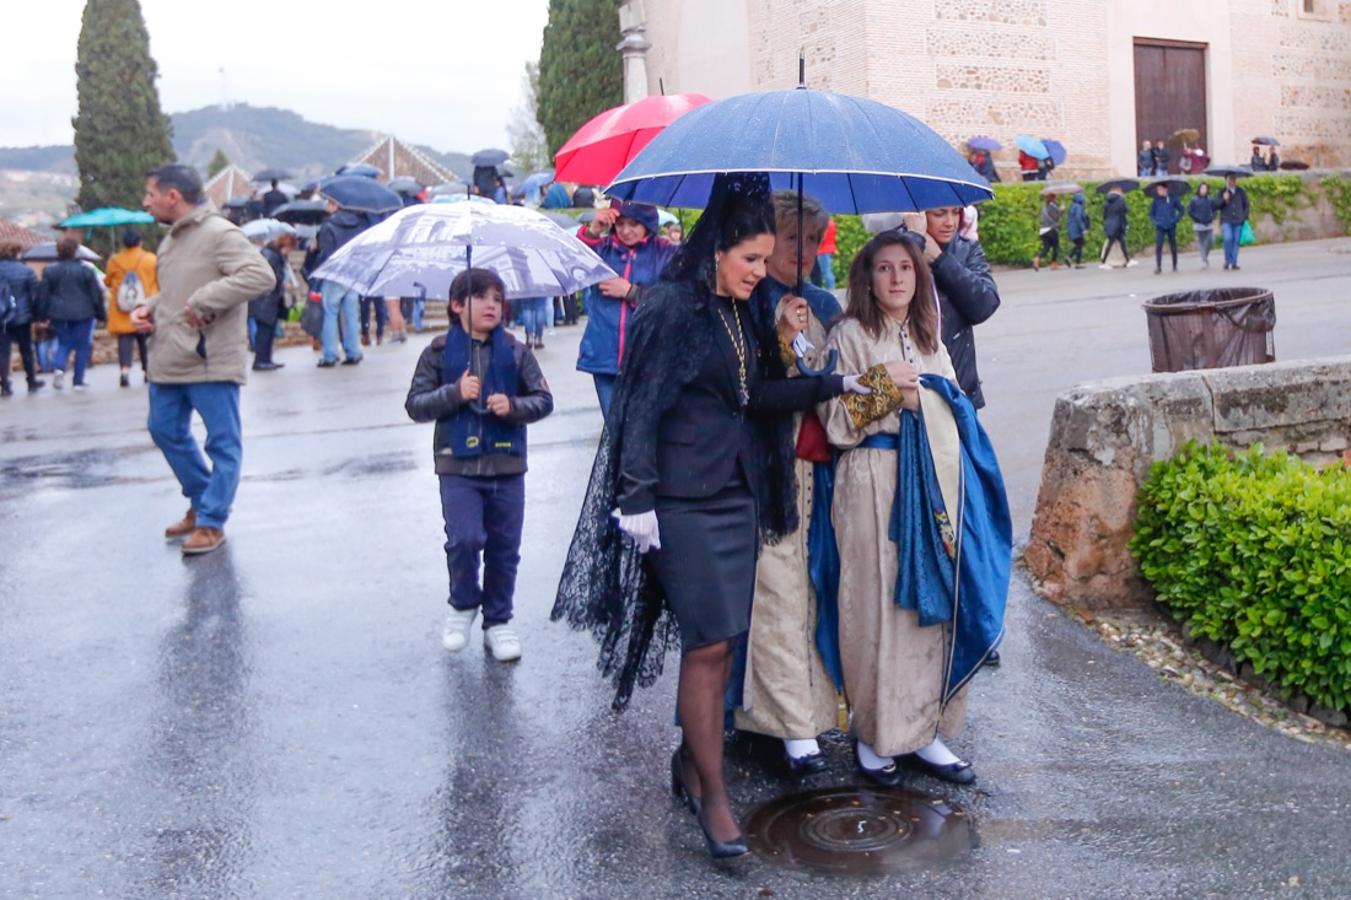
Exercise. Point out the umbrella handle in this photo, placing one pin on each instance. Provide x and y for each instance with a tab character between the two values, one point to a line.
832	358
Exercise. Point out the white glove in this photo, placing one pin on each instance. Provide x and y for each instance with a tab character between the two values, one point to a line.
642	527
801	346
853	386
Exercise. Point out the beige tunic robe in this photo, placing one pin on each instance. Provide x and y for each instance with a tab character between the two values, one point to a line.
787	692
893	668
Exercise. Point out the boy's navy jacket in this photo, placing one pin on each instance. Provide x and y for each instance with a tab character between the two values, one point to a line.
466	442
1165	212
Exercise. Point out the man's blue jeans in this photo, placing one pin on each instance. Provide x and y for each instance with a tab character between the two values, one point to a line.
339	300
211	491
537	314
73	335
1232	235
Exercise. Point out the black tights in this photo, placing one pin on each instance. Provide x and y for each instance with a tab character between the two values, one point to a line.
703	677
1050	243
1077	254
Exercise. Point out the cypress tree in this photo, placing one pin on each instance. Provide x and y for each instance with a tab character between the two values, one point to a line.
120	130
217	164
580	71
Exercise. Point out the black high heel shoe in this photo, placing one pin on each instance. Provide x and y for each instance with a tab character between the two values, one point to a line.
722	849
678	784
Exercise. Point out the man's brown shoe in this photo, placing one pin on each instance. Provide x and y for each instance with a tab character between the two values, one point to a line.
183	527
203	540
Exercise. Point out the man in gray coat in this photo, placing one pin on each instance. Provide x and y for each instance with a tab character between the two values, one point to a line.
208	272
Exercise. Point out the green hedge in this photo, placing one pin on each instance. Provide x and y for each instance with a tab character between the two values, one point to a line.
1254	552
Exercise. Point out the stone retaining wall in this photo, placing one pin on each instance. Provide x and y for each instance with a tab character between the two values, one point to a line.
1105	435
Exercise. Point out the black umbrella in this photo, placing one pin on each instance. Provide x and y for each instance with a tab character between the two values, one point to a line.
583	198
360	194
1226	171
46	252
272	175
1123	184
405	185
1266	140
301	212
1177	186
490	157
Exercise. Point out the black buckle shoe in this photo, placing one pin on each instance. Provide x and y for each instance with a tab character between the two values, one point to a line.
802	766
959	772
889	777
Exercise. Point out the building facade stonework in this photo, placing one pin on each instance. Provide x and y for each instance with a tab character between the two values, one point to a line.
1053	68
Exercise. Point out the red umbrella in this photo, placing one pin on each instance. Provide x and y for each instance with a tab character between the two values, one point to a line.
607	143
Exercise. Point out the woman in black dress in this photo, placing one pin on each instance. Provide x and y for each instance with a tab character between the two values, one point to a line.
682	469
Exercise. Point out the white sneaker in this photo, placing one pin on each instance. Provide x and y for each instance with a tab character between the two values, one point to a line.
458	623
503	642
1132	263
1104	266
59	380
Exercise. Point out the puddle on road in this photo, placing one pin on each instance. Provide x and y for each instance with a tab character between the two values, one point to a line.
859	831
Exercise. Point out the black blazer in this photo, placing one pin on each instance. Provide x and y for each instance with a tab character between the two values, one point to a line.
703	438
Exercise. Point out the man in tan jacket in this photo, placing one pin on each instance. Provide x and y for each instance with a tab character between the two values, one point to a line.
208	272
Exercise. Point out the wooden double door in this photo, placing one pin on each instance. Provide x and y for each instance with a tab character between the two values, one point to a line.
1170	94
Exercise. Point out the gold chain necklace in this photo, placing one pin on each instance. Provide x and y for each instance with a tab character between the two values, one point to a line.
739	344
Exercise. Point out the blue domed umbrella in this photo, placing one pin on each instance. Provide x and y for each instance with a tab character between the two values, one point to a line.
852	154
981	142
360	194
1057	151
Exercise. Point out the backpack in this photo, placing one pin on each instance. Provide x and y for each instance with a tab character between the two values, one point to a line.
130	293
9	306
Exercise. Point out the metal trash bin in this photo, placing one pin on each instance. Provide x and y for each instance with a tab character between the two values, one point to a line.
1211	329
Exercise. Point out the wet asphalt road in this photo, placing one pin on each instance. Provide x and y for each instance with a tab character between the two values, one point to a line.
279	719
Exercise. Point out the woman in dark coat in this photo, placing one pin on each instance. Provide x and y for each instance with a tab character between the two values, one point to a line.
1201	209
681	465
71	299
1114	225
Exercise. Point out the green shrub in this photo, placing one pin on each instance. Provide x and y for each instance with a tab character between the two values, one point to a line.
1337	189
1254	552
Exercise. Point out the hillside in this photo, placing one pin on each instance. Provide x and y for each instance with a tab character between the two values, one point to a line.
251	136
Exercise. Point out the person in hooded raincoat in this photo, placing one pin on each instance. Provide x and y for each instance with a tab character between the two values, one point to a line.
627	239
1114	225
1076	229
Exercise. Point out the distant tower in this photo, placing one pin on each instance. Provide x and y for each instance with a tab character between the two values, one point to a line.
224	89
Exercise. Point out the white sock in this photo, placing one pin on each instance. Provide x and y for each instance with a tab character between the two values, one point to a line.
870	760
938	754
798	749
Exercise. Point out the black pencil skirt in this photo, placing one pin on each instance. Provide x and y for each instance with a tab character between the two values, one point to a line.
706	564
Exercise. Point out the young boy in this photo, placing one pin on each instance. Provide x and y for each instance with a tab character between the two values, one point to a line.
482	387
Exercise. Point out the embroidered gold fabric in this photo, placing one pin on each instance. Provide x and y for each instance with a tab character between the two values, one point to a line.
884	399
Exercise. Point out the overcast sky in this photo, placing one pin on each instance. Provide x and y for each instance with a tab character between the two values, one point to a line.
445	73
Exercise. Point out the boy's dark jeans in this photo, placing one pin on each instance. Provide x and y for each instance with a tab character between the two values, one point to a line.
1161	235
483	516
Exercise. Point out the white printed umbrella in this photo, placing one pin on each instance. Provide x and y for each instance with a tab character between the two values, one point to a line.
427	245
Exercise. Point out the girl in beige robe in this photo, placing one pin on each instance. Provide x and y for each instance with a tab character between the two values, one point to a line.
894	670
